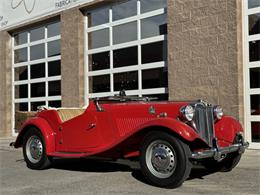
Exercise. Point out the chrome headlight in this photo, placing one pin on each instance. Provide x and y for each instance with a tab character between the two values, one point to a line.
218	112
187	112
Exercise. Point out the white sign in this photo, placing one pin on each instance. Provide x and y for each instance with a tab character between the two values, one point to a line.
14	12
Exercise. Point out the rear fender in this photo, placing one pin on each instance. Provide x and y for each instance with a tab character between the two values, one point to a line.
45	129
176	126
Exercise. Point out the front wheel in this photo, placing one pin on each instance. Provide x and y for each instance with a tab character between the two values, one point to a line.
164	160
34	151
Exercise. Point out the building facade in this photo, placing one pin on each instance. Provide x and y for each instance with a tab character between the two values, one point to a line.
172	50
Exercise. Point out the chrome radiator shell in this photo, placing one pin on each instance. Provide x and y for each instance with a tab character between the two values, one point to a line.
204	121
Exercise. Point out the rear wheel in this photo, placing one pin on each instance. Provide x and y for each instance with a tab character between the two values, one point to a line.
34	150
164	160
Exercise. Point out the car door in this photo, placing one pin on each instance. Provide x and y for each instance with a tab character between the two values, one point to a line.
80	134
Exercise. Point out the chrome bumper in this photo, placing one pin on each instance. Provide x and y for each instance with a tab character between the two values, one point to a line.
220	153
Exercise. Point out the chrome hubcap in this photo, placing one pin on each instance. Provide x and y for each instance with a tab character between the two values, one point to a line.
34	149
160	159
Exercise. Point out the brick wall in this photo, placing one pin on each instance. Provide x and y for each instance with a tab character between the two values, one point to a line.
204	52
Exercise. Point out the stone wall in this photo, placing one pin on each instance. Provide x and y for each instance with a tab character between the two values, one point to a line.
72	58
205	52
5	84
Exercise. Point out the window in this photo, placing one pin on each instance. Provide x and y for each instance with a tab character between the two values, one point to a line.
125	57
126	81
20	55
99	38
36	68
124	10
125	32
21	73
99	61
252	71
154	26
127	49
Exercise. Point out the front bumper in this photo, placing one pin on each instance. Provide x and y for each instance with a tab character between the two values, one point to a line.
220	153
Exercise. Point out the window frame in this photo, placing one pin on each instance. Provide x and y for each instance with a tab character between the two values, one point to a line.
246	71
111	47
46	79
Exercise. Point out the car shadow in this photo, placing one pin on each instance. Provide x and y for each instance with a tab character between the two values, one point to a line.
89	165
94	165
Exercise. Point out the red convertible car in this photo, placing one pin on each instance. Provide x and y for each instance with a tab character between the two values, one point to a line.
167	137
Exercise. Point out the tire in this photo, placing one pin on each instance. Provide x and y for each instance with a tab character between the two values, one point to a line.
164	160
34	150
225	165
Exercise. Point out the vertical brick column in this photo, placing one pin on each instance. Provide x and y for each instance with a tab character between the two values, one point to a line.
204	52
72	58
5	84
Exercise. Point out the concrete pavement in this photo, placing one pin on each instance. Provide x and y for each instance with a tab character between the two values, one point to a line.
74	176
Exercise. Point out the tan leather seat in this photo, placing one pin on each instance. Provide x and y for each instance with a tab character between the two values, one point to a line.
69	113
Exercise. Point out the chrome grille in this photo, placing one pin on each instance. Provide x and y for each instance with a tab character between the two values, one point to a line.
204	121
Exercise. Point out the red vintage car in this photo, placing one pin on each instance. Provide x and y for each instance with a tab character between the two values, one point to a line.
167	137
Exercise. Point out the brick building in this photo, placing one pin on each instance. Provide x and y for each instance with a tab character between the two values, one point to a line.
173	50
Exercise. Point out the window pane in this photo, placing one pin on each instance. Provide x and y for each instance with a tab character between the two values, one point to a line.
20	55
20	38
97	17
254	24
37	34
55	104
54	68
54	48
253	3
154	26
154	78
99	84
21	91
21	107
150	5
124	10
37	52
154	52
37	89
254	51
125	57
126	81
254	77
99	38
54	88
34	105
37	71
255	104
125	32
53	29
21	73
99	61
255	127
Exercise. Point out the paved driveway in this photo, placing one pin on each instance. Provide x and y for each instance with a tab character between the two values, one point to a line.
90	177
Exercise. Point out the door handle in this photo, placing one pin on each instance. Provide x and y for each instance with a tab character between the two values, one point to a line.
91	126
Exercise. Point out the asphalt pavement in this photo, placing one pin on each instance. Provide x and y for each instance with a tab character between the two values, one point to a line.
75	176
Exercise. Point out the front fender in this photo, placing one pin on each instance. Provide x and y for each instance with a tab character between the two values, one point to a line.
178	127
227	128
45	129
